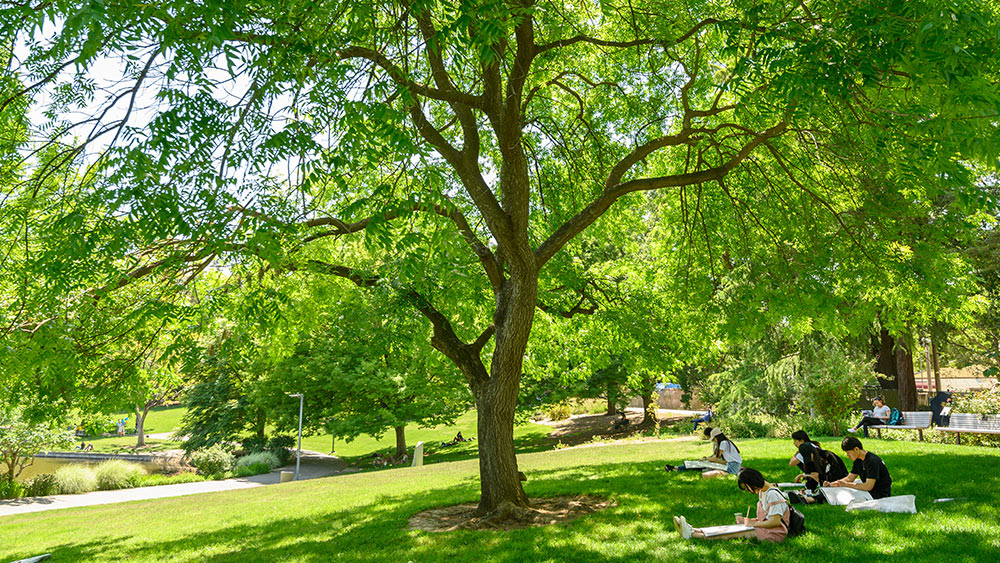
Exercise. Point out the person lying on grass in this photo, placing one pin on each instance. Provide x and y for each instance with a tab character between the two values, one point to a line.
816	465
723	451
868	467
770	523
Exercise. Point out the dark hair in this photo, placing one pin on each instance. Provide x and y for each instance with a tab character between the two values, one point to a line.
850	443
707	431
749	479
719	439
801	435
879	399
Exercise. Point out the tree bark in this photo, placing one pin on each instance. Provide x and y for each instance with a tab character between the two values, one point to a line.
400	441
612	400
649	405
141	412
904	371
886	361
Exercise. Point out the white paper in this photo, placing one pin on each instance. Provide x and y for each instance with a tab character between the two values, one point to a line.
791	485
902	503
704	465
842	496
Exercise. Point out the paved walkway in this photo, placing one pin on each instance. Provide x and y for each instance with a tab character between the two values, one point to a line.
314	465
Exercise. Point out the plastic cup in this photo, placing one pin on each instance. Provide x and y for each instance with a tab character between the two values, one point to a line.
738	517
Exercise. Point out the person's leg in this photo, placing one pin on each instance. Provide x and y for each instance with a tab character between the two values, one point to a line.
712	474
869	421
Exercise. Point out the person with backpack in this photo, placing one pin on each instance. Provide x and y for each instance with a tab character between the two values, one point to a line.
816	465
880	415
868	467
773	520
723	451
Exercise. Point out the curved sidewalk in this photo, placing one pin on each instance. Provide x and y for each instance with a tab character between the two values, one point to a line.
314	465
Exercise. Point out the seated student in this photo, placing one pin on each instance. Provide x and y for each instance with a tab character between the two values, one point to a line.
878	416
707	417
869	467
723	451
771	521
816	465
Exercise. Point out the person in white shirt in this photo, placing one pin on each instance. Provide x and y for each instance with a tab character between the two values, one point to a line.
879	416
723	451
772	517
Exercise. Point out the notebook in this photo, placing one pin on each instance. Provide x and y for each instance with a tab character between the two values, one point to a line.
723	530
842	496
704	465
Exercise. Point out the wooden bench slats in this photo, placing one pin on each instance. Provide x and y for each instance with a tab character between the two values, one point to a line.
971	423
912	420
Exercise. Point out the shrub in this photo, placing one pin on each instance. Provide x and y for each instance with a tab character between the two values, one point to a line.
117	474
281	446
986	401
75	479
212	460
252	469
11	489
270	459
559	412
747	426
41	485
154	480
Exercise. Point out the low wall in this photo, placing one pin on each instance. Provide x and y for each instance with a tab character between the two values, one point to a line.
95	456
670	399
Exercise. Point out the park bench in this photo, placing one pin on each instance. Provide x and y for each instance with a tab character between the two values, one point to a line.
912	420
960	423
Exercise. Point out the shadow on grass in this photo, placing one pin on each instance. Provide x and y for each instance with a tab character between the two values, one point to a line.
638	529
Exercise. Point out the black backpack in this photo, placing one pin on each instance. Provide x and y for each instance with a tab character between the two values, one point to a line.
796	520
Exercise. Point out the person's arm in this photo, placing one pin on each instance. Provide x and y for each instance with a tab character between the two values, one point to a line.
771	522
846	481
804	476
793	462
865	486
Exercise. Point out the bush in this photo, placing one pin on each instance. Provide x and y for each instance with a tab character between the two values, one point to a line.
41	485
252	469
213	460
559	412
746	426
11	489
270	459
986	401
117	474
154	480
75	479
281	446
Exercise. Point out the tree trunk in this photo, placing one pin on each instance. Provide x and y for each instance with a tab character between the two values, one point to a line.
937	366
886	361
649	405
140	424
612	400
907	382
400	441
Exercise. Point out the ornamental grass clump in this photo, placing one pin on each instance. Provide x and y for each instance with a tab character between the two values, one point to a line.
117	474
270	459
75	479
213	460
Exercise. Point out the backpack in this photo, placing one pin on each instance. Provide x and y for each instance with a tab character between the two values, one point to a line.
895	417
796	520
833	465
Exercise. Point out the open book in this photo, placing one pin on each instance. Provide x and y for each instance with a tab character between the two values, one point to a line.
842	496
704	465
791	485
723	530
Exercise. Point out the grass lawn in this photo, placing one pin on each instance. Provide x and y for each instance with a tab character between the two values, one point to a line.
159	419
527	437
363	517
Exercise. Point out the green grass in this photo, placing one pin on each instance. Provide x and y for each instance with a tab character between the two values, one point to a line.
159	419
363	517
527	437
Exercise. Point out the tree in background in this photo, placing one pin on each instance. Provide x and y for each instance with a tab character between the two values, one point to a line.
21	439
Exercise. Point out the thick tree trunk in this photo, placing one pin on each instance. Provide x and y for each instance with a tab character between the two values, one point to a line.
937	365
649	405
400	441
612	401
907	382
886	361
141	412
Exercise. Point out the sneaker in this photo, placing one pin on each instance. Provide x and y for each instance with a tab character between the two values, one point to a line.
669	467
677	526
686	530
852	430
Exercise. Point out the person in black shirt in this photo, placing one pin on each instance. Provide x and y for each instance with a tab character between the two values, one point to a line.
869	467
816	465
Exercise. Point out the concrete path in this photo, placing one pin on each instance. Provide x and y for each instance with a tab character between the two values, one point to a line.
313	465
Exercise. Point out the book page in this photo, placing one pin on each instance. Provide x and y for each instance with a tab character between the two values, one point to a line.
704	465
842	496
723	530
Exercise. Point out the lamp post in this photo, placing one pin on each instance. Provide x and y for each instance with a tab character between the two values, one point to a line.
298	455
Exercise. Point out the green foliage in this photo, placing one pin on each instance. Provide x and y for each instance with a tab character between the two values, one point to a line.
281	446
559	412
11	489
42	485
268	459
117	474
986	401
21	439
251	469
75	479
156	480
212	460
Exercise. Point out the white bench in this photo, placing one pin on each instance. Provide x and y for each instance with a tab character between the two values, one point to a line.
912	420
971	423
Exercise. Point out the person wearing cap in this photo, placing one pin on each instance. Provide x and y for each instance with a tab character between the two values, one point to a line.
723	451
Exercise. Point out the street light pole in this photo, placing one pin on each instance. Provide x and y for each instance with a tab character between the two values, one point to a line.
298	455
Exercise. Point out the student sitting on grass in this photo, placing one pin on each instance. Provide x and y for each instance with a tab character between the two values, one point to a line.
869	467
816	465
723	451
770	523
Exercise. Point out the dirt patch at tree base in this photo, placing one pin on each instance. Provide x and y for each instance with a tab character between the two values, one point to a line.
543	512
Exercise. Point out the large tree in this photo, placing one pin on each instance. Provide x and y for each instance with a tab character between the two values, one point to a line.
520	123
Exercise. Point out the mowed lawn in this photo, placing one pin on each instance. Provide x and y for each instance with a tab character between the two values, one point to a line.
363	517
